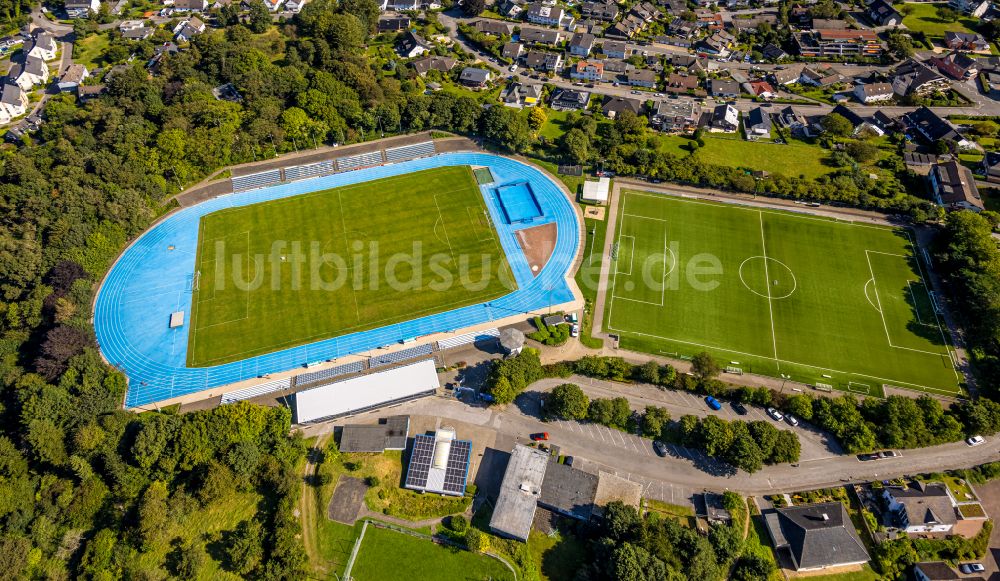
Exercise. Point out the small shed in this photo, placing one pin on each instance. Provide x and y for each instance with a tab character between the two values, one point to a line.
511	341
596	192
176	319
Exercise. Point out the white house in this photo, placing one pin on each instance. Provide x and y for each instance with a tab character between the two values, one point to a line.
874	92
725	119
82	8
188	29
33	72
74	75
922	508
42	46
13	102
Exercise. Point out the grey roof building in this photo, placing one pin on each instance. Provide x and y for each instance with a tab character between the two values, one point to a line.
519	493
569	99
474	77
568	491
816	536
511	341
389	434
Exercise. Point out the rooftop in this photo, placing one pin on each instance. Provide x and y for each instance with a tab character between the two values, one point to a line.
519	492
388	434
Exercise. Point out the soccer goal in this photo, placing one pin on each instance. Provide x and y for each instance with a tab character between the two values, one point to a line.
196	280
934	302
734	370
823	387
855	387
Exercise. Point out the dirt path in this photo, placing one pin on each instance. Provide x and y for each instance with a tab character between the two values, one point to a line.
307	503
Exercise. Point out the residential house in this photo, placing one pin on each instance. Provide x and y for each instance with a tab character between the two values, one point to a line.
932	128
547	15
757	124
540	36
512	50
548	62
581	44
510	8
614	106
82	8
833	43
42	45
727	89
34	71
141	33
920	163
678	41
787	76
725	119
974	8
605	11
190	5
913	77
473	77
394	24
816	536
682	61
74	75
89	92
763	89
641	78
874	92
433	63
494	27
678	83
676	116
588	71
774	53
991	166
928	508
859	123
519	95
615	49
792	120
718	44
570	100
412	45
13	102
829	24
968	41
938	571
957	65
159	52
881	13
188	29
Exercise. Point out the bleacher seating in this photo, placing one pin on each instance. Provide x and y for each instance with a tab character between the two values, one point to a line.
312	377
360	160
256	180
301	172
468	338
413	151
397	356
256	390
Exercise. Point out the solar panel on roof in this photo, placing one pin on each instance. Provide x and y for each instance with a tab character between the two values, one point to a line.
457	470
420	460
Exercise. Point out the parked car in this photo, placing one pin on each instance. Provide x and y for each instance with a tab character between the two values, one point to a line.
513	68
775	414
889	454
975	440
971	568
792	420
568	461
739	408
868	457
660	447
539	437
713	403
574	330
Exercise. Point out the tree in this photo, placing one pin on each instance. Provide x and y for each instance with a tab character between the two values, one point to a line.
621	521
186	559
899	44
575	146
786	448
259	17
704	366
744	453
476	540
153	517
800	405
245	549
752	568
473	8
345	34
536	118
613	413
862	151
654	421
367	12
945	13
506	127
727	542
567	402
648	372
836	124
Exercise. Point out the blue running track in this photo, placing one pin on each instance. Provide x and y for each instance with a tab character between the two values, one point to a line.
149	282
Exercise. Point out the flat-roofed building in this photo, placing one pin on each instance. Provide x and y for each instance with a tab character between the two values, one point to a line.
389	434
519	493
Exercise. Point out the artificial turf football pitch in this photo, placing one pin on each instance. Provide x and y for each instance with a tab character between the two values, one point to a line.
821	301
302	269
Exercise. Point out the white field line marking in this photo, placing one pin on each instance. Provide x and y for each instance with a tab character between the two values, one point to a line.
614	279
937	318
767	281
881	312
640	216
631	255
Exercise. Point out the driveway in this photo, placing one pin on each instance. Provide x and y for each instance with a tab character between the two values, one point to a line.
989	494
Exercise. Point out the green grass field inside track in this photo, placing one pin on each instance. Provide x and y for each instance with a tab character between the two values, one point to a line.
369	255
775	293
387	555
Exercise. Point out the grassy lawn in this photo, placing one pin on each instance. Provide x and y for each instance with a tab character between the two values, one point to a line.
555	125
865	574
682	514
556	557
260	291
389	498
819	300
792	159
387	555
204	524
924	19
87	51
